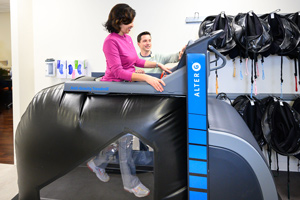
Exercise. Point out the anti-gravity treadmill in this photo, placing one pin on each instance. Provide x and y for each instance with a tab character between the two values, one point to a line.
202	147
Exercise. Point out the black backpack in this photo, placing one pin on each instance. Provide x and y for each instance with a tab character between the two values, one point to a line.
281	128
285	33
295	54
251	111
286	36
225	43
296	104
252	34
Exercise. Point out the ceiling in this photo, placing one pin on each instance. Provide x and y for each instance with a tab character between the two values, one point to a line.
4	5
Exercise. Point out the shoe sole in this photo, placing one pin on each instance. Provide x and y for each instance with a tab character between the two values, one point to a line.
128	190
105	181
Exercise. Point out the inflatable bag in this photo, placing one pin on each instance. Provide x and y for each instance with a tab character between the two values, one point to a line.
61	130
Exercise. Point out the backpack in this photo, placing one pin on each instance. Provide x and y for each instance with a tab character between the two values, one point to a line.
295	54
251	111
286	37
225	43
252	34
253	37
281	128
285	33
296	106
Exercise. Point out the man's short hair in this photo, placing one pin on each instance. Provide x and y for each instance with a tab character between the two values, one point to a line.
139	37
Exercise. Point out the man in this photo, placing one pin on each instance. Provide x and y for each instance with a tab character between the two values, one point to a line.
145	45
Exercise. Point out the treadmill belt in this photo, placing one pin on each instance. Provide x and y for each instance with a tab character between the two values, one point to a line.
81	184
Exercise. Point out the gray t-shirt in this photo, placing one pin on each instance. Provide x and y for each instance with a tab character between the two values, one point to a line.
160	58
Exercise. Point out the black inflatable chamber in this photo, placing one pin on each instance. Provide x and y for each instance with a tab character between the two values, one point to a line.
60	130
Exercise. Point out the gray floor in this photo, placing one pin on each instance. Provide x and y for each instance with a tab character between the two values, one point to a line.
282	188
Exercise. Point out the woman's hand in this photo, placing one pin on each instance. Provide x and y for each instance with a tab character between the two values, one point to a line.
156	83
153	81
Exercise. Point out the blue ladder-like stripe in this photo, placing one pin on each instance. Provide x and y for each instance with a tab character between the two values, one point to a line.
197	127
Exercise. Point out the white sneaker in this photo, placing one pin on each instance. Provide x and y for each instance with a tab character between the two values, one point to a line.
100	172
139	191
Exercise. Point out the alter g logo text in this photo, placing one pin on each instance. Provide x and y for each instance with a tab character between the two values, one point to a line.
196	67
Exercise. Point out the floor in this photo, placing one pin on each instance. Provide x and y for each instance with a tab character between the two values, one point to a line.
6	135
8	181
8	172
282	186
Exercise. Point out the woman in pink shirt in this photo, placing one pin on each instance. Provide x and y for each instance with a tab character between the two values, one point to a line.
121	56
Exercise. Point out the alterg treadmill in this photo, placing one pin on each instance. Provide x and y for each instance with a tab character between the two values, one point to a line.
223	159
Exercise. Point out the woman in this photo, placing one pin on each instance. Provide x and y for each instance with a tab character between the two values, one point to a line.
121	57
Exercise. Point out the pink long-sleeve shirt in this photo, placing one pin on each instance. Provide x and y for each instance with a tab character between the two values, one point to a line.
121	57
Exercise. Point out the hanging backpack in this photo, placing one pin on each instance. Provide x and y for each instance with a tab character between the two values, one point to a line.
252	34
251	111
225	43
285	33
295	54
281	128
296	106
286	36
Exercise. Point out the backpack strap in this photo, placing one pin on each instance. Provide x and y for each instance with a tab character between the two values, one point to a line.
295	74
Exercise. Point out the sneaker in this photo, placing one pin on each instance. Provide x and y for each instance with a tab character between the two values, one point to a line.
100	172
139	191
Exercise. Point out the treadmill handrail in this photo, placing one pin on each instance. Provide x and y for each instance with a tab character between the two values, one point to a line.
220	55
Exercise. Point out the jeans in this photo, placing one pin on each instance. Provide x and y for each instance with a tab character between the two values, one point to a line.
127	166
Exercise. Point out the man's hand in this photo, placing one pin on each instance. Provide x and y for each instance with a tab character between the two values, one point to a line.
165	68
181	52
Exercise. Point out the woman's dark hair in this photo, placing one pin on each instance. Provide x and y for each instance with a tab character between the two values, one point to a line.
119	14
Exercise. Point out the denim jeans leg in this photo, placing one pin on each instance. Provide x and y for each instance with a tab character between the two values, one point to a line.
103	158
127	166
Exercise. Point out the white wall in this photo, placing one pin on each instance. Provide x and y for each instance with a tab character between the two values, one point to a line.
22	56
5	41
72	29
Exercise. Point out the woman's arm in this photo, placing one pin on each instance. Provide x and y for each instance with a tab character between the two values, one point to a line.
154	82
151	64
113	59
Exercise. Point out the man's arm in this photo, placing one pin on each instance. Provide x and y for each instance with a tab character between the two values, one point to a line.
164	59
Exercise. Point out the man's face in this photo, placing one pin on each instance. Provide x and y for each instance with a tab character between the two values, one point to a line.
145	44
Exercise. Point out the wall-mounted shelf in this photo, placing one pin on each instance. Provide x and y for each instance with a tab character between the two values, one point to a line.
286	97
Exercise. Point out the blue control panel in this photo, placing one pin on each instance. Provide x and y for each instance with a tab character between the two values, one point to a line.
197	127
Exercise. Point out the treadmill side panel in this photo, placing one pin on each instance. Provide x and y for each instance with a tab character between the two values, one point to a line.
231	177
